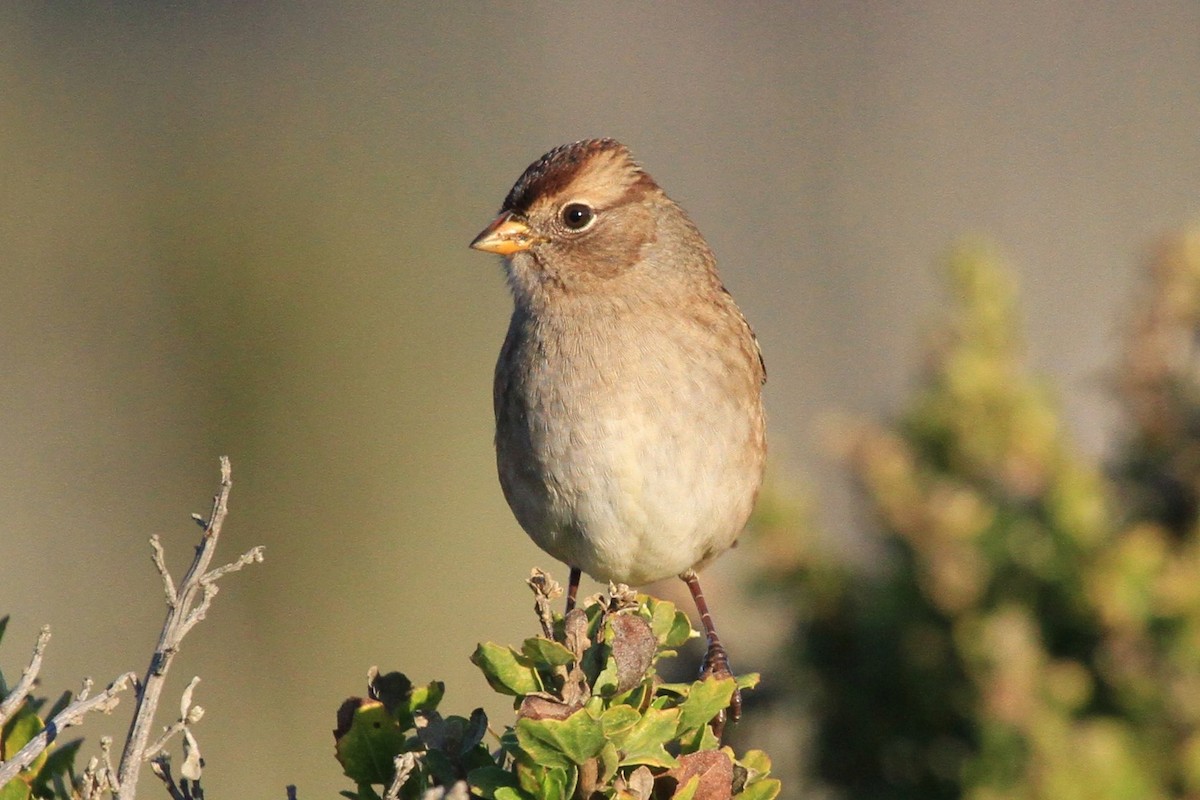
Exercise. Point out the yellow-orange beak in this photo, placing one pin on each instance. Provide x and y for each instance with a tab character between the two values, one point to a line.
506	235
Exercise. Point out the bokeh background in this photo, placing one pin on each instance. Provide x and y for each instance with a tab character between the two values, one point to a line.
241	229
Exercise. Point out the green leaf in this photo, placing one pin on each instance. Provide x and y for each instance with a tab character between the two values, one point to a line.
663	617
509	743
474	731
644	743
610	759
606	681
16	789
440	766
561	742
454	735
688	790
708	739
541	782
618	720
595	618
512	793
506	670
680	632
477	757
367	748
558	784
530	773
595	706
635	697
659	613
486	780
595	659
670	625
757	762
700	740
749	680
767	789
705	700
548	652
17	732
426	698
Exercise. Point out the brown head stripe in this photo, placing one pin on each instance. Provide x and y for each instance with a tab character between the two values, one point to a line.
554	171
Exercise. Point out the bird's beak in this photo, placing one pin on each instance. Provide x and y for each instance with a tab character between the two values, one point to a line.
506	235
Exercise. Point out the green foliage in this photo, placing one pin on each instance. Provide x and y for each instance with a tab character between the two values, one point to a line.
593	719
51	773
1035	632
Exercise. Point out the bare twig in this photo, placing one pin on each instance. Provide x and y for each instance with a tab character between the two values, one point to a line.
252	556
73	714
193	762
160	563
459	791
12	702
98	776
183	790
161	767
208	586
404	764
545	590
186	606
188	714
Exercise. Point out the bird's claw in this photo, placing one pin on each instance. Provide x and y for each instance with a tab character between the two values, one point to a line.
716	666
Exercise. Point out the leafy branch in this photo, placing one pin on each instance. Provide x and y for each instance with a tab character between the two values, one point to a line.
594	720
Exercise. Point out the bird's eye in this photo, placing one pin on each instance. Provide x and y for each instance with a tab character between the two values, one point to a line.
577	216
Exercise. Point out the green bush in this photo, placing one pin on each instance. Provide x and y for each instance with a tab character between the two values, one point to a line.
594	720
1034	631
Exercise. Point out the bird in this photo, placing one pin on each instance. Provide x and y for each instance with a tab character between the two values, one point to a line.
630	434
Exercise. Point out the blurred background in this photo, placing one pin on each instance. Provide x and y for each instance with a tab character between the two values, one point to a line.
240	229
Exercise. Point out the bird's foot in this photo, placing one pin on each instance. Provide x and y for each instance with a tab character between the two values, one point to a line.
716	665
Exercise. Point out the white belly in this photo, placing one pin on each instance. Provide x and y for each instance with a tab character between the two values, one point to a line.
634	479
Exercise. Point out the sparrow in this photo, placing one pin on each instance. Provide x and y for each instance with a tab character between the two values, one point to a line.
630	437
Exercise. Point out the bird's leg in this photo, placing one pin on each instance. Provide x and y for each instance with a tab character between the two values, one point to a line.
716	660
573	587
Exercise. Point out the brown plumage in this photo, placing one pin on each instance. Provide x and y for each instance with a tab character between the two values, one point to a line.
629	425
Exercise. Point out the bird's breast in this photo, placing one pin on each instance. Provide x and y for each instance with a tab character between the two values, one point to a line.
627	448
